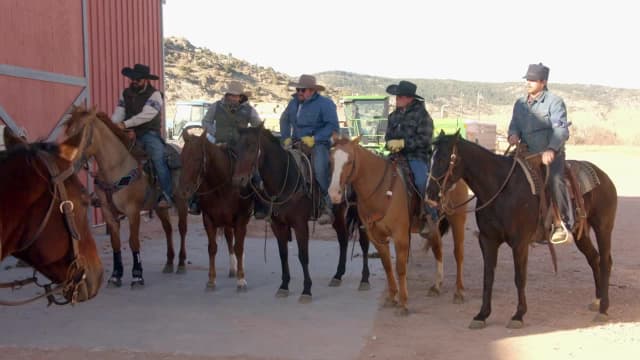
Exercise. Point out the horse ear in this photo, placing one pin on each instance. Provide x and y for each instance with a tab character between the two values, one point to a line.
11	139
457	133
335	137
69	149
441	132
356	140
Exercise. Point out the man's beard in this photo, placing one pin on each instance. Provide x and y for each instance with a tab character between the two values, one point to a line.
135	87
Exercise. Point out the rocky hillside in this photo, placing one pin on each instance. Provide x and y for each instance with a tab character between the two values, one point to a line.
600	115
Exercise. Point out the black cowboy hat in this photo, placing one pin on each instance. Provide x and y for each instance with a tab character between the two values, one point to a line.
404	88
139	71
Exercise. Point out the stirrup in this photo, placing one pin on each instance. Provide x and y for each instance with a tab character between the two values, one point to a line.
561	235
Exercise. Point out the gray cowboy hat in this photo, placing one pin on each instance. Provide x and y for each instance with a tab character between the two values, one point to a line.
139	71
404	88
307	82
236	88
537	72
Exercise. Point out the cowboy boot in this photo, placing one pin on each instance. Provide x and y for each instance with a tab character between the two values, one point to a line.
194	206
259	209
326	214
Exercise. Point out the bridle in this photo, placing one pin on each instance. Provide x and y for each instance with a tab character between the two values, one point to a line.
203	170
442	186
272	200
76	275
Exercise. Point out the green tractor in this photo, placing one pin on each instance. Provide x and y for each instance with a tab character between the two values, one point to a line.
366	116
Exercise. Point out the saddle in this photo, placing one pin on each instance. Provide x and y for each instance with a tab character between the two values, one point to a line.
416	211
172	157
580	178
303	158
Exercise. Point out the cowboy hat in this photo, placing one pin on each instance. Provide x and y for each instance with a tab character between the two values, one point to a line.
404	88
236	88
537	72
139	71
307	82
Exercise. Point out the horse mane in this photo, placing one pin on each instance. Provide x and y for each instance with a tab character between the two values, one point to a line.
80	112
119	133
30	150
260	130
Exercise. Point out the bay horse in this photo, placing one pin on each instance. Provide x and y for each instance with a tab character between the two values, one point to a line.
43	220
510	214
207	171
129	188
291	204
384	207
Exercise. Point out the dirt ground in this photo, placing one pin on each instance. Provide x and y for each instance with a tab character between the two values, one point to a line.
558	324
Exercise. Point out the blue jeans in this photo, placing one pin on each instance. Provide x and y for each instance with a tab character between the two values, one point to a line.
154	147
420	172
321	169
559	190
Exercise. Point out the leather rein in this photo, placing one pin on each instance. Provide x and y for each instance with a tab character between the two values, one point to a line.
76	273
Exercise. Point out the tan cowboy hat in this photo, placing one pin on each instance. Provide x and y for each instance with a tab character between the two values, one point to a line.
236	88
307	82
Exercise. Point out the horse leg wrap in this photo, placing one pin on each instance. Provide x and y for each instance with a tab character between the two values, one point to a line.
117	265
136	272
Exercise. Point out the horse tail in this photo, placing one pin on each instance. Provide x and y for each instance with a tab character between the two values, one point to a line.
352	221
444	226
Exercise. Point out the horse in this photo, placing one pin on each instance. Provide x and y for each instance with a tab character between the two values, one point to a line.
44	219
291	204
120	174
383	206
509	213
207	171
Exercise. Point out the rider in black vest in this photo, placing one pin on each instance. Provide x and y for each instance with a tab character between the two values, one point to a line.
139	109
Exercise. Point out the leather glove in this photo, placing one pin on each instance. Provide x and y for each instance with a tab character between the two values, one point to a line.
287	143
395	145
309	141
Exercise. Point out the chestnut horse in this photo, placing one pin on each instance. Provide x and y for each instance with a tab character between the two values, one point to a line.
509	213
383	206
292	206
43	220
206	172
130	190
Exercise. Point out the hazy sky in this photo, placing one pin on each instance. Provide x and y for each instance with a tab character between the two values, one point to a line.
595	42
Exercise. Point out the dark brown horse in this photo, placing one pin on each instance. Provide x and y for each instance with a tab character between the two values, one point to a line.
510	214
43	219
206	172
292	206
129	188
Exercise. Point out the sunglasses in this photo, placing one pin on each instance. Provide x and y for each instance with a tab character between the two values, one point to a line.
301	90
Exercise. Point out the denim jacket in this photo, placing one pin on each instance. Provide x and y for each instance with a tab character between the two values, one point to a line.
542	124
315	117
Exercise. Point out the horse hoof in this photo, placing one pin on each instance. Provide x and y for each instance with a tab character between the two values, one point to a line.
304	299
182	269
458	298
114	282
595	305
477	324
600	318
137	283
282	293
211	285
364	286
390	303
515	324
434	291
232	273
403	311
168	269
242	286
335	282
